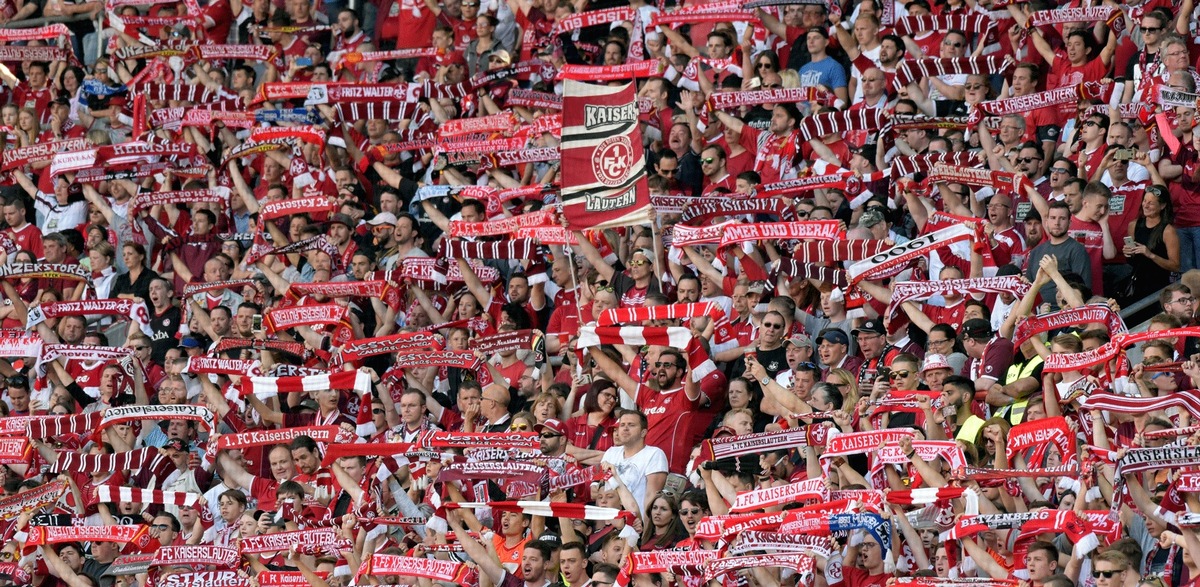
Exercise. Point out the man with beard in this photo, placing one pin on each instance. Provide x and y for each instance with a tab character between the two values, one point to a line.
348	32
688	174
642	468
1071	255
518	291
667	400
777	148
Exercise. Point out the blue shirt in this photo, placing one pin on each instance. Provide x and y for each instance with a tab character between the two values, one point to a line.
826	72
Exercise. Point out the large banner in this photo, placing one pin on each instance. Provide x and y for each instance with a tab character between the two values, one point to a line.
603	164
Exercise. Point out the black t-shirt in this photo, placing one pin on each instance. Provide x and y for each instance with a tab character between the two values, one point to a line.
165	327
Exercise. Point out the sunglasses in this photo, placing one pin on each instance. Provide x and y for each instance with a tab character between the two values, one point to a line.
899	374
1059	170
708	160
768	63
604	286
1152	29
518	428
772	325
1091	123
638	262
955	44
802	213
1027	160
691	512
667	171
549	436
378	412
973	87
1105	574
772	86
664	365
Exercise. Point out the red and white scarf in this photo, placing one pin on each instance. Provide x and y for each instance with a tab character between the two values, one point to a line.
802	564
841	121
379	565
807	490
283	541
918	69
699	363
1089	314
32	500
320	434
71	462
329	314
1049	98
532	99
170	556
42	535
572	511
905	291
893	260
118	494
136	311
1040	435
396	343
219	365
748	444
733	100
507	225
698	211
973	23
603	73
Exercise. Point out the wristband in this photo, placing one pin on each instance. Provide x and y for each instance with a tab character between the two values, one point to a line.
911	454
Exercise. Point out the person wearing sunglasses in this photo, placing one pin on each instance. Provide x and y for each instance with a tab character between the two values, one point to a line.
629	286
716	176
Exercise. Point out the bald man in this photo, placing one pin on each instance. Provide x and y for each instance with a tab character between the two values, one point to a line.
494	407
1003	235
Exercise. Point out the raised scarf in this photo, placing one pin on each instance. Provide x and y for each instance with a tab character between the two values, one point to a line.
157	92
617	316
699	363
170	556
1040	435
11	53
380	565
1001	180
511	224
752	540
491	471
526	339
222	366
115	494
1167	97
207	51
1058	363
42	33
841	121
385	345
319	314
548	235
15	451
444	358
802	564
578	476
604	73
732	100
357	381
32	500
45	271
532	99
54	426
127	414
243	440
434	439
1089	314
136	311
82	352
807	490
972	23
573	511
282	541
40	152
71	462
495	123
1188	400
828	252
843	180
1067	522
222	578
892	261
147	199
908	165
43	535
1108	14
286	208
911	70
712	449
904	291
698	211
292	348
674	561
1031	102
792	269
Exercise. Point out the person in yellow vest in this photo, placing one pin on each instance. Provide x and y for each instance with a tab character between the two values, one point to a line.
1010	394
958	392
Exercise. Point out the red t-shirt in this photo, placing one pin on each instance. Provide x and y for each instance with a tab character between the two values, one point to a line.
28	237
855	577
1063	74
667	412
952	315
1123	208
1092	238
772	154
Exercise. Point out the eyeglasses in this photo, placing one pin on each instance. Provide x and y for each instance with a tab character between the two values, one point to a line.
772	86
708	160
664	365
549	436
140	347
998	205
1096	574
1177	54
378	412
973	87
772	325
7	556
1059	170
1091	123
899	374
955	44
764	64
691	512
159	527
1028	159
610	395
1184	300
942	341
519	428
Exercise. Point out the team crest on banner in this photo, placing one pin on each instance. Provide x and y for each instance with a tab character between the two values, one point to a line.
603	163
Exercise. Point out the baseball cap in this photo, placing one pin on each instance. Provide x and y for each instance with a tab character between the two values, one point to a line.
342	219
383	218
869	218
756	288
935	361
503	56
189	342
309	404
833	335
977	328
1032	214
801	340
175	443
551	538
553	425
870	326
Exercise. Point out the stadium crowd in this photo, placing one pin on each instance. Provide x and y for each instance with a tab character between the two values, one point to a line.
289	299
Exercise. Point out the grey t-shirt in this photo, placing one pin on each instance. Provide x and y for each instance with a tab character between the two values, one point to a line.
1071	258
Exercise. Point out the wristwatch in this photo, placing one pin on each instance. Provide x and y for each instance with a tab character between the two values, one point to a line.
765	380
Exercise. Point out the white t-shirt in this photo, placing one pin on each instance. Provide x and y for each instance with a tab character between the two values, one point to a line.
634	470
